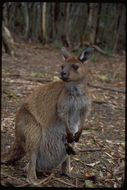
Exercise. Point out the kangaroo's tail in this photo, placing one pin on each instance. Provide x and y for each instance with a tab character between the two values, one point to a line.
14	154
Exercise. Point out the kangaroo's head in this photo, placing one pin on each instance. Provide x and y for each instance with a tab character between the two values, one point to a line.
74	68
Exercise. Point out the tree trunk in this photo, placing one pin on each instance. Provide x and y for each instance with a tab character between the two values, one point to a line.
35	18
97	25
26	18
65	36
5	14
7	40
37	29
118	28
56	23
30	13
44	31
52	32
91	23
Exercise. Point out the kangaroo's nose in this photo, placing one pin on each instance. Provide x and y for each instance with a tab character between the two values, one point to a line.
64	75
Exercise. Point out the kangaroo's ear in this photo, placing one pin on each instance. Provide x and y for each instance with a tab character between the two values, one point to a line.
65	53
86	54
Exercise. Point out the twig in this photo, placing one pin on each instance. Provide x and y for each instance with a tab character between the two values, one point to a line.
99	102
106	88
46	179
76	182
64	182
92	164
90	150
23	185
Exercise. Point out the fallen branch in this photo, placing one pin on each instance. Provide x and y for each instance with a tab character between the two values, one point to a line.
14	179
64	182
97	48
106	88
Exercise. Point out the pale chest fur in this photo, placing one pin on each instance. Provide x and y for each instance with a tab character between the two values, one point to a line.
75	106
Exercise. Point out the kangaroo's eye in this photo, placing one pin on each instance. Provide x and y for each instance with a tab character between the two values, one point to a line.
75	67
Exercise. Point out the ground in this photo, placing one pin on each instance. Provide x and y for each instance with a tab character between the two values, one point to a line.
99	161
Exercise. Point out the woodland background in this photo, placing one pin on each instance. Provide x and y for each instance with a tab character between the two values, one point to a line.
68	24
32	35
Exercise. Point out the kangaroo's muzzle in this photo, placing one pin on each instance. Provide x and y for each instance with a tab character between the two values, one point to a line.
64	76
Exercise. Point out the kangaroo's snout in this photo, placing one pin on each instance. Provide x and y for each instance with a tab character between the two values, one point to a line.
64	75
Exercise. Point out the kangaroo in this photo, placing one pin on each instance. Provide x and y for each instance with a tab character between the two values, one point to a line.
52	118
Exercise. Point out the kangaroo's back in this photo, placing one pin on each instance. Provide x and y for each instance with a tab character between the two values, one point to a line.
42	102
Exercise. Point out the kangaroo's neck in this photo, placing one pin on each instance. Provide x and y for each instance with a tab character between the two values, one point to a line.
75	88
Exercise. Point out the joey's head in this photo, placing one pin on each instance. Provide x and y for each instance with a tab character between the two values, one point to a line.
74	68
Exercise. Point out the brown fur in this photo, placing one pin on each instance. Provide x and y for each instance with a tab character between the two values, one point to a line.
43	121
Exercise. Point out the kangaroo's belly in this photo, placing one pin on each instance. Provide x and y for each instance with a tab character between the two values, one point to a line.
52	149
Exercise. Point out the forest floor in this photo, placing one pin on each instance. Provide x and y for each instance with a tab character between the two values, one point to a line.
101	149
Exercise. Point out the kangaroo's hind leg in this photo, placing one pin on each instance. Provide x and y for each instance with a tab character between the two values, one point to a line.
33	141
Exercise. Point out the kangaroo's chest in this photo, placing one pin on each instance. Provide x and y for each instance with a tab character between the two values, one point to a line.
77	107
73	107
76	100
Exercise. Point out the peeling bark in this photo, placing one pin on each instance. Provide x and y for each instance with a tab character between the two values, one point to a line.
7	40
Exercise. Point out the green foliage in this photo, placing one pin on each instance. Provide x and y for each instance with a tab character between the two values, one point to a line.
109	52
57	45
93	58
78	51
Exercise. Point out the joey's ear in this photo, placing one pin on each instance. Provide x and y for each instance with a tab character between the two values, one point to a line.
86	54
65	53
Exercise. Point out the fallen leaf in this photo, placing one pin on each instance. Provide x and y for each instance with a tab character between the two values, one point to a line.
86	132
55	78
77	159
89	183
104	78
